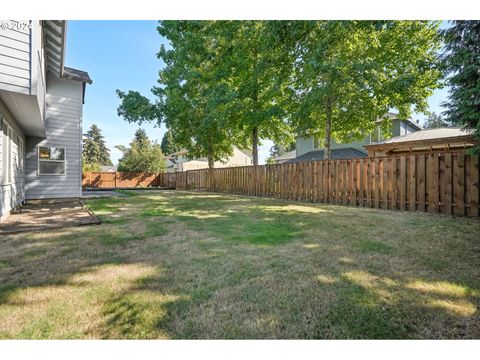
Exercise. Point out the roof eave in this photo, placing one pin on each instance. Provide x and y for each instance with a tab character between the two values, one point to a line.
445	140
55	38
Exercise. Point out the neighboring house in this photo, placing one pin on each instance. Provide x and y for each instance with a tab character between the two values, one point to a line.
179	161
424	141
308	147
285	157
41	104
108	168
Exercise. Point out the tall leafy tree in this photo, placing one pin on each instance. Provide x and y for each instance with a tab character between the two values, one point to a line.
462	60
95	152
168	144
348	74
143	155
434	121
192	93
258	71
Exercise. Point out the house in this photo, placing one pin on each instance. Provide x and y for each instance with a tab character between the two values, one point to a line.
179	161
289	155
108	168
424	141
41	104
308	148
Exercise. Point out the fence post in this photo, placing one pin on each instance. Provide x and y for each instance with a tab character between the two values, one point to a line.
115	178
186	180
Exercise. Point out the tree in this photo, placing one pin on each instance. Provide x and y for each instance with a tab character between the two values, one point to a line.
434	121
143	155
462	61
279	149
89	167
192	95
348	74
258	71
95	152
168	144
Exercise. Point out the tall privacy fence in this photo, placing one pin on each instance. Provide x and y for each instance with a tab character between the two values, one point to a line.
439	183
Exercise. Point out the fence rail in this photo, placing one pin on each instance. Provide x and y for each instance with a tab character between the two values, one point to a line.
445	183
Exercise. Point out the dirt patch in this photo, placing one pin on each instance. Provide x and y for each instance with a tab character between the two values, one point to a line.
48	216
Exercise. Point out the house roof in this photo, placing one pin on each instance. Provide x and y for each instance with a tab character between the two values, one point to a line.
247	152
179	152
287	156
54	32
75	74
108	168
341	153
394	116
428	136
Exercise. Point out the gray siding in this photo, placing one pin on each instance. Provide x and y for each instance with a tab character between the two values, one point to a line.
64	129
11	194
304	144
15	61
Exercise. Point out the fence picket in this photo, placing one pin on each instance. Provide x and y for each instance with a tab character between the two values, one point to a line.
447	182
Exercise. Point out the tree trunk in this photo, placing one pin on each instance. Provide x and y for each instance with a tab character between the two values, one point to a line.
327	154
211	162
255	145
211	171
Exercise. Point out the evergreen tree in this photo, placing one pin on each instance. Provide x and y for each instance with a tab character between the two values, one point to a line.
462	61
95	152
281	149
141	136
168	144
434	121
143	155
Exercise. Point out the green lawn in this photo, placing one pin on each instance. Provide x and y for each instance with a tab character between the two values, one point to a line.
198	265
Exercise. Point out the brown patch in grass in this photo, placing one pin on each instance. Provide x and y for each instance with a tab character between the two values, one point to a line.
191	271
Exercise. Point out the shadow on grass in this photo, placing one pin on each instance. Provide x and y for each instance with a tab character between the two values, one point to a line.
172	266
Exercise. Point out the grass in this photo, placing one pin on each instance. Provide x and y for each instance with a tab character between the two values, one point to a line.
198	265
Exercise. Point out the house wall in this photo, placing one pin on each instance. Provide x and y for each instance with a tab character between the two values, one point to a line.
63	129
12	193
192	165
400	127
22	61
38	67
307	144
15	59
304	144
238	158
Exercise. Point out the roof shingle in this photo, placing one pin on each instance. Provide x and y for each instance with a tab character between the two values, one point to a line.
342	153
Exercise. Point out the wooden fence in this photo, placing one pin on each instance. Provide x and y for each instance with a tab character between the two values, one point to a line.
439	183
112	180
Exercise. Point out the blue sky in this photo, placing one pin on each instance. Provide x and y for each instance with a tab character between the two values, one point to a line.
122	55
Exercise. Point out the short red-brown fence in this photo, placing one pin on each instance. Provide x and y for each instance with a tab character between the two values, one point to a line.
445	183
112	180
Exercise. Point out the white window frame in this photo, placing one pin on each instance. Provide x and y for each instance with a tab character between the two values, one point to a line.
64	161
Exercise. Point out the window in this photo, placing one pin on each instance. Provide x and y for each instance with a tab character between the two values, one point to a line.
51	160
7	134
